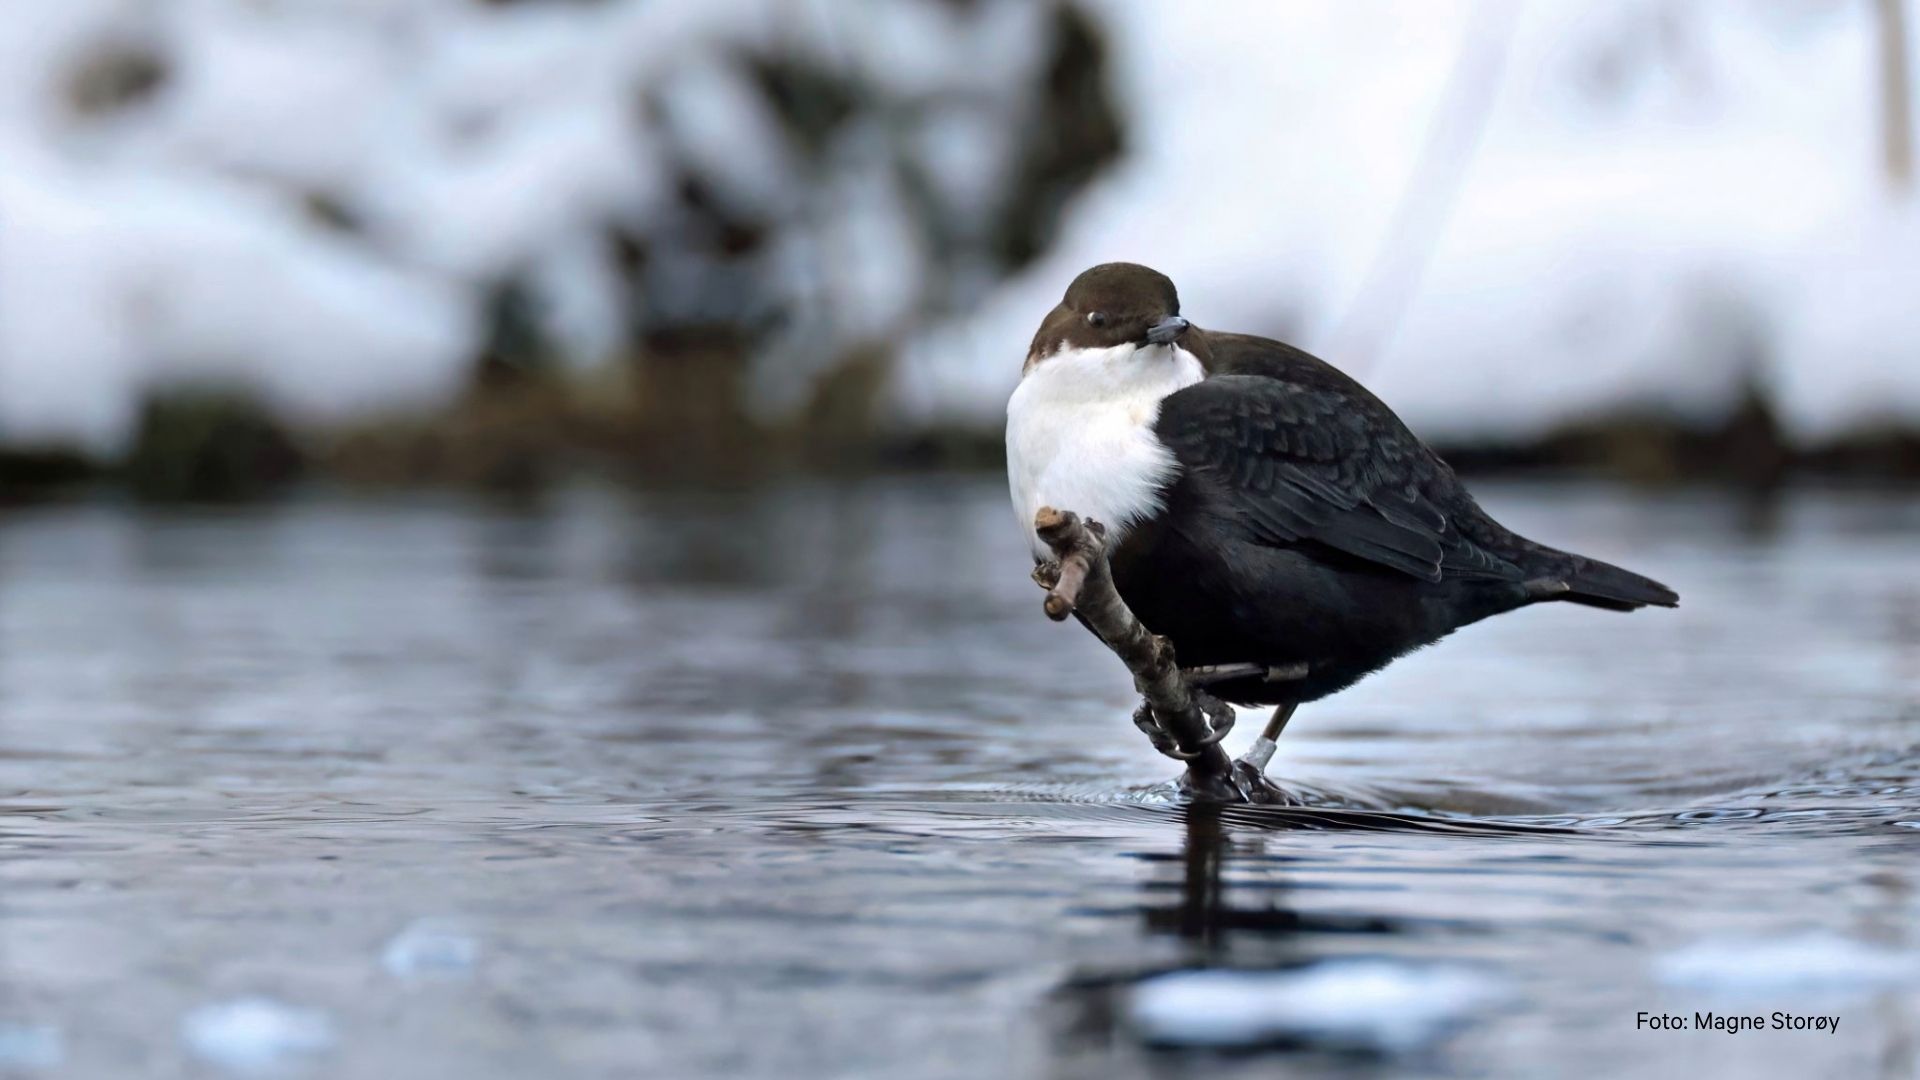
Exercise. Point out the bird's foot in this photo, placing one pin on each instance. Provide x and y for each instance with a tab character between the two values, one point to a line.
1219	716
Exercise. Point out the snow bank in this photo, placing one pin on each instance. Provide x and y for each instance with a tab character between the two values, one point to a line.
314	197
1665	202
111	284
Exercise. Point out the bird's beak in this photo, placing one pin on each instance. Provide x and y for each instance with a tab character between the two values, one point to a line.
1166	331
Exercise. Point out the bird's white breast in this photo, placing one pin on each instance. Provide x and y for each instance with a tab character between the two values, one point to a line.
1080	434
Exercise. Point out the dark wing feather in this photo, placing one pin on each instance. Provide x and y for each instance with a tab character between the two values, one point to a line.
1319	465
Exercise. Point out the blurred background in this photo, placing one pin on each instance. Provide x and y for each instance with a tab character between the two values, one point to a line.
433	240
505	565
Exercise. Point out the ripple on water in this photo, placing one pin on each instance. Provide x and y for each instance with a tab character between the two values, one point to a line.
888	814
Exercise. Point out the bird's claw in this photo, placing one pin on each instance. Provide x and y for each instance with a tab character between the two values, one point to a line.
1157	735
1046	574
1220	717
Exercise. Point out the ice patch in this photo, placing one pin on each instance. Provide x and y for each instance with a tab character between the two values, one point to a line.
1357	1004
30	1046
255	1033
1819	963
430	950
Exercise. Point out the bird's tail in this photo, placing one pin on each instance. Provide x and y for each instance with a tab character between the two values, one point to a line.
1580	580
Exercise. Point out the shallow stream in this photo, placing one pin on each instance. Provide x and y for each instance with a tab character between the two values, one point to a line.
799	783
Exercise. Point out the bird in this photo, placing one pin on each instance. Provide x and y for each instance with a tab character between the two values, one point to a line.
1264	512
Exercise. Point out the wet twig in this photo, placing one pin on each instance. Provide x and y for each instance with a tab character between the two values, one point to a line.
1079	582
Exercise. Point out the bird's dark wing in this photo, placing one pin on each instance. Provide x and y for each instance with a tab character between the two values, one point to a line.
1319	464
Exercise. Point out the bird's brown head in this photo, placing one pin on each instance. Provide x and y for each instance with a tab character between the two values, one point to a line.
1109	305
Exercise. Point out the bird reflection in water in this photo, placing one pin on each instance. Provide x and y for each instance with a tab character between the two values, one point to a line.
1216	915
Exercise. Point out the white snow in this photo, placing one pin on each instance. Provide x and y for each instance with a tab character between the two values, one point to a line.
1376	1005
253	1034
1664	199
171	239
1608	248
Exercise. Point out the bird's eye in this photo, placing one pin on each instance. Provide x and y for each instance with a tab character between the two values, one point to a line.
1096	318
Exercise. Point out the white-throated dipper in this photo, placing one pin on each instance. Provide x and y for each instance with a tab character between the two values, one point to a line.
1262	508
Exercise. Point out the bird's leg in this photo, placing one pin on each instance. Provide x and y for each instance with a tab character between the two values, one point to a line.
1261	751
1277	723
1219	716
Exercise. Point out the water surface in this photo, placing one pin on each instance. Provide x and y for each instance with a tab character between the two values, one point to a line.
799	783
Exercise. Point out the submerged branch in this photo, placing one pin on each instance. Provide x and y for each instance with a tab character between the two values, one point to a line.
1081	583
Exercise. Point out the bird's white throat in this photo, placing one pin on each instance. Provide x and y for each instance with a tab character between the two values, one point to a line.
1080	434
